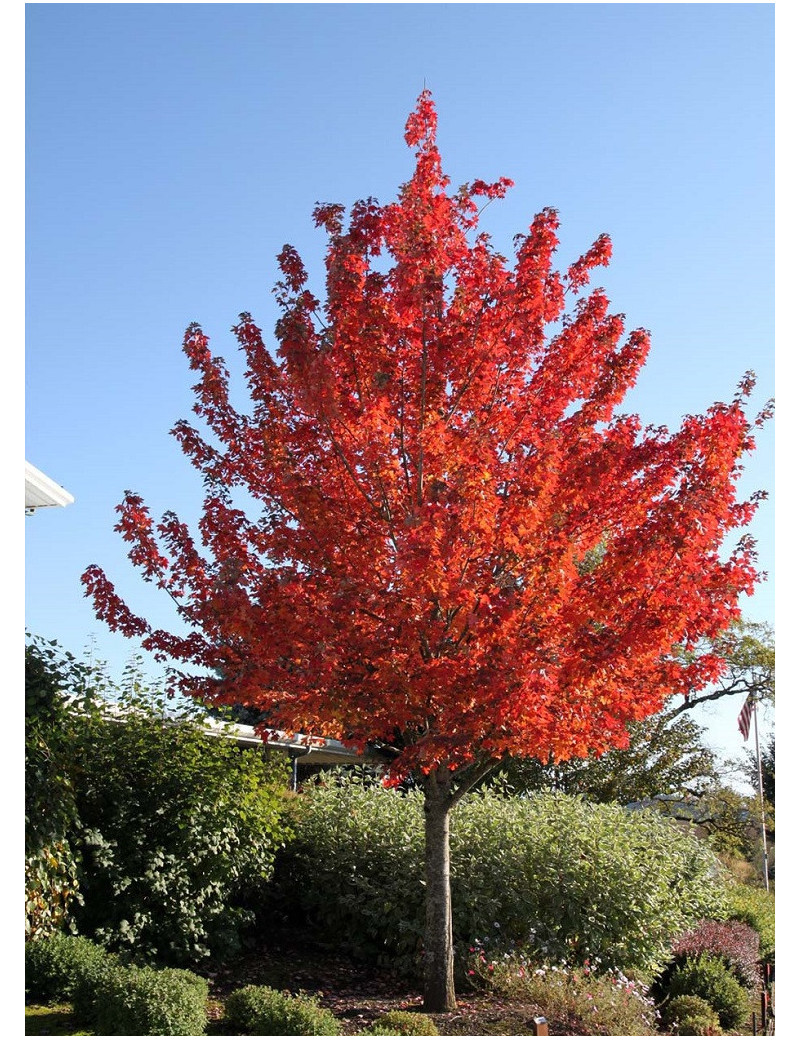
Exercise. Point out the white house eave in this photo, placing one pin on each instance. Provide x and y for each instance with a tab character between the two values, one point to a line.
42	492
312	749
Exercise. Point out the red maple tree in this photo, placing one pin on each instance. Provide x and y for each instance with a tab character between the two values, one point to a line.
461	550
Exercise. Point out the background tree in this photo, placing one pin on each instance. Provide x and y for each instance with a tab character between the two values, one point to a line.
433	455
664	756
748	650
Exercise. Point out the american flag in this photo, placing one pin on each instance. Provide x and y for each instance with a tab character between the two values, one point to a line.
744	717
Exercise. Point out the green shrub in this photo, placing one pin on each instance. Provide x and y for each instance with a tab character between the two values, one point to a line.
756	907
691	1016
91	983
402	1023
51	867
709	977
136	1001
178	825
575	1000
570	878
170	830
56	964
261	1011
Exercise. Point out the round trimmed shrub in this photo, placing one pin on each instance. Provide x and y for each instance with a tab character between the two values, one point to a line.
709	977
56	964
261	1011
691	1016
133	1001
403	1023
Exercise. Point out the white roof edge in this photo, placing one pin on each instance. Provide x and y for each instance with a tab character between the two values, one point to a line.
41	491
278	738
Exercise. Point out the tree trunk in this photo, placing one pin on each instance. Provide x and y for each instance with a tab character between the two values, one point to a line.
440	994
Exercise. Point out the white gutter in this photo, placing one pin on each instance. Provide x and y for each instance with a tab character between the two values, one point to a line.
41	491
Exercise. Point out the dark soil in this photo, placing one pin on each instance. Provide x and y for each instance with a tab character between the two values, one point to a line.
357	994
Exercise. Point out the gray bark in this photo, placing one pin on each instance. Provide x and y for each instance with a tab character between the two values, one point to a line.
440	994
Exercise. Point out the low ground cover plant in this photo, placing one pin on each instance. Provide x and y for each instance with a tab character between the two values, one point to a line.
585	1000
402	1023
262	1011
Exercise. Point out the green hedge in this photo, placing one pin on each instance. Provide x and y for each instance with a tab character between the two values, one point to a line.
568	878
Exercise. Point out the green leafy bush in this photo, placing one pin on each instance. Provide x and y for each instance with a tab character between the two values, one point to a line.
578	1001
756	907
56	964
709	977
140	1001
691	1016
173	829
51	867
571	879
402	1023
177	826
261	1011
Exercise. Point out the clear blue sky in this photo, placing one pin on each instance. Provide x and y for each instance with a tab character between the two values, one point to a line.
172	149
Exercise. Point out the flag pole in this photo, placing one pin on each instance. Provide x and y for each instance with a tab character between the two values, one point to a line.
761	798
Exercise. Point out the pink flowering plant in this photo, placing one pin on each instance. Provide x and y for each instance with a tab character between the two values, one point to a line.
579	1001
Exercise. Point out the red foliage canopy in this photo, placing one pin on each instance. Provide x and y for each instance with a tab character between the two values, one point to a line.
461	548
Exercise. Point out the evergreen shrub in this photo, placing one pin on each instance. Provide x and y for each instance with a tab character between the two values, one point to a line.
734	942
691	1016
261	1011
56	964
142	1001
710	978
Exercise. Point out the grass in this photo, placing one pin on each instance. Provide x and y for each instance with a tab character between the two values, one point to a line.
52	1020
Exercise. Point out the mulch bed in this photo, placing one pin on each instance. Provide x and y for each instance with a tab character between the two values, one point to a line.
359	993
